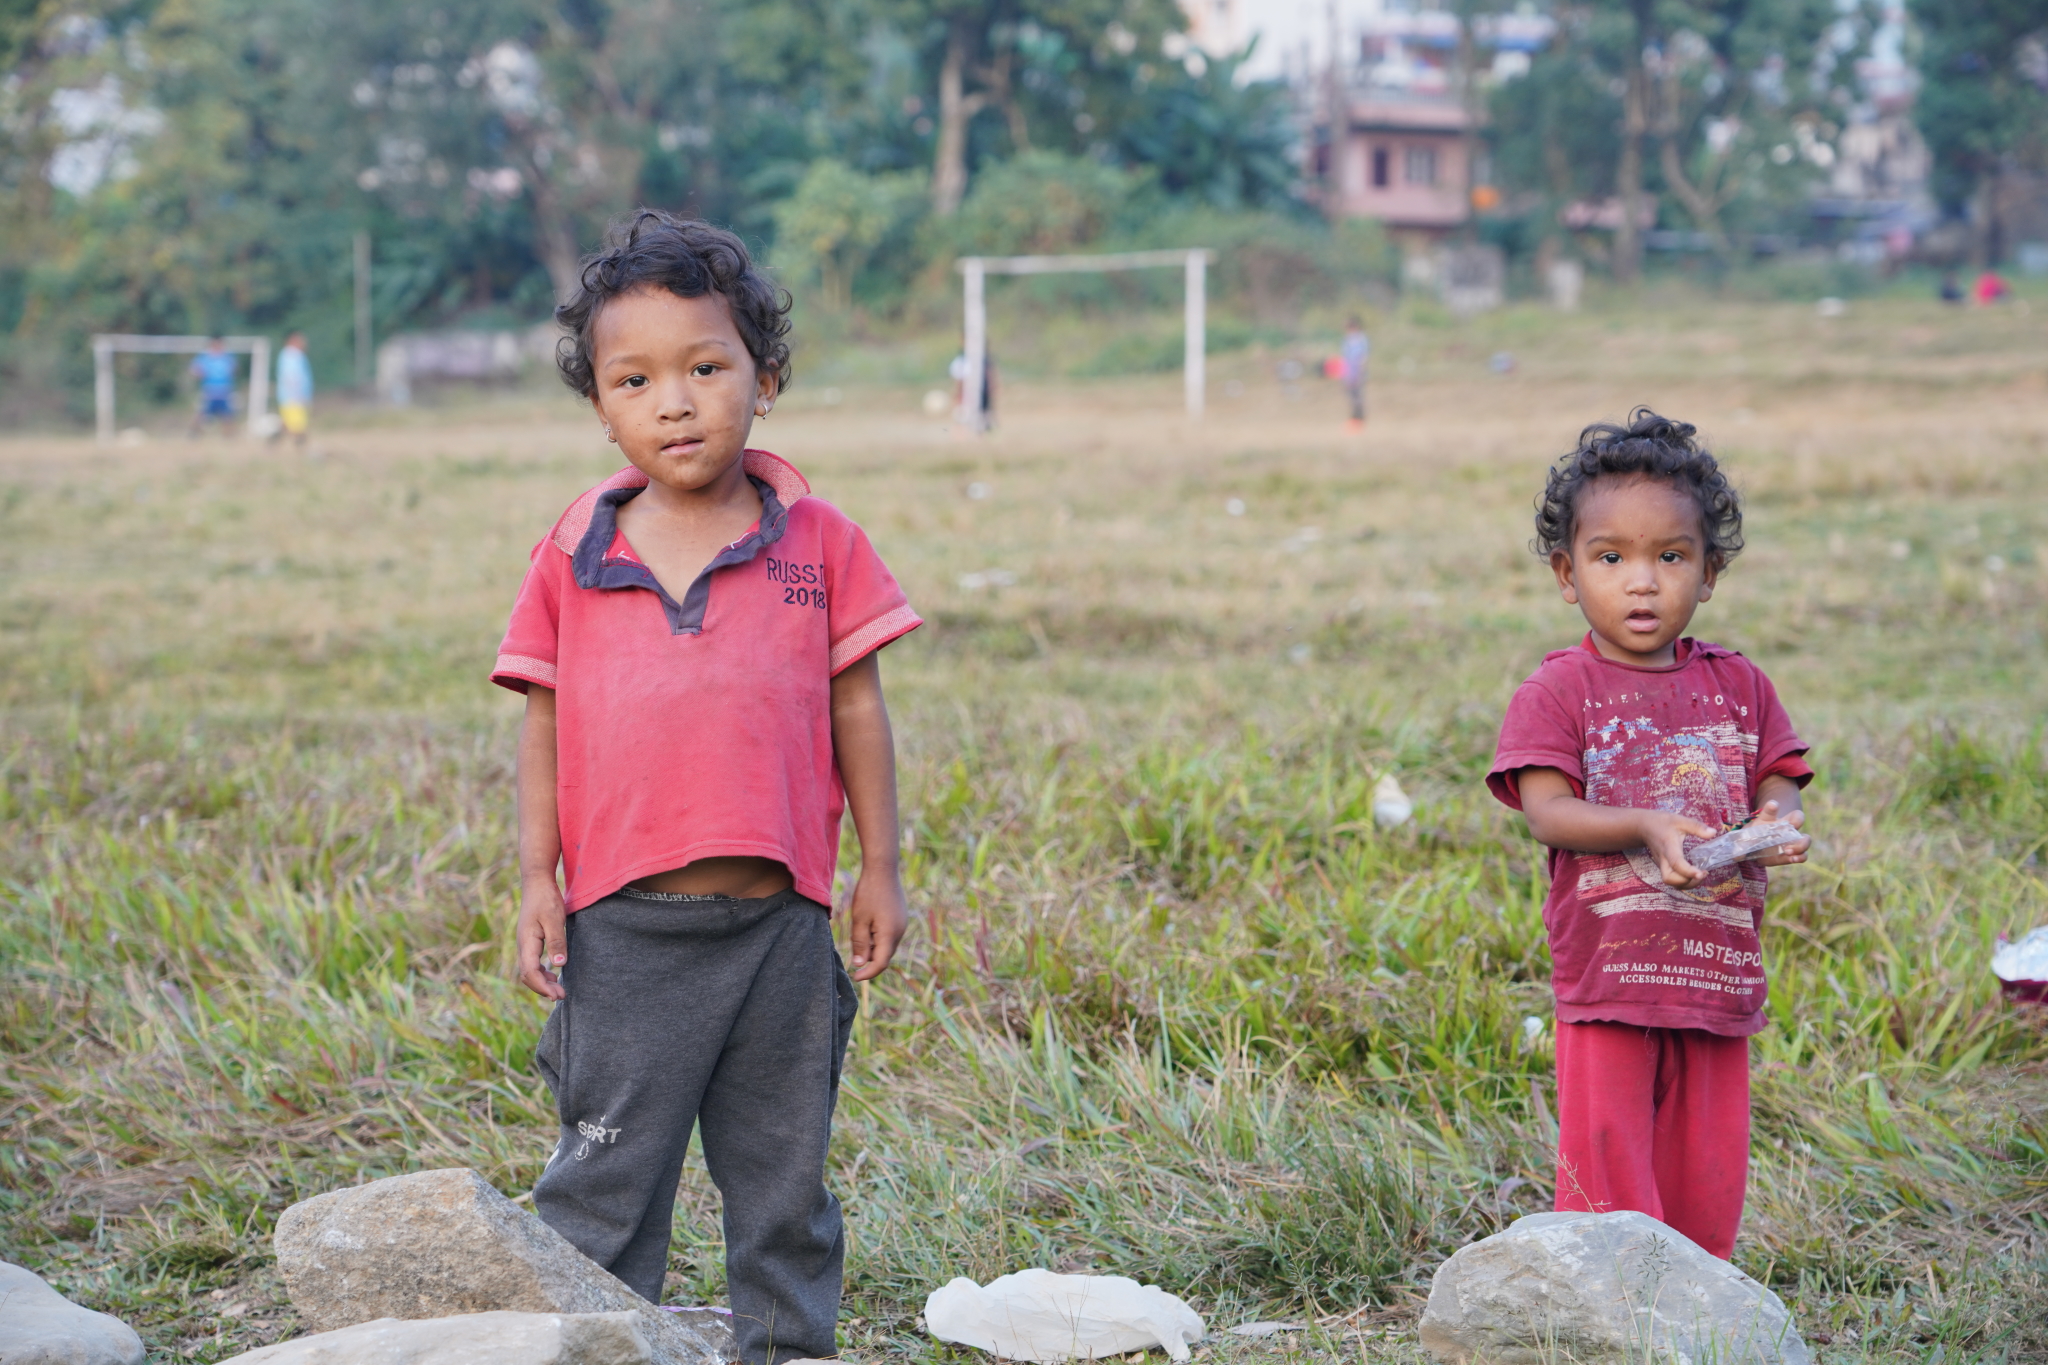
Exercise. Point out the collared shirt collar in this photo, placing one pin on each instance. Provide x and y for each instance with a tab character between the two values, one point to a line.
595	566
779	474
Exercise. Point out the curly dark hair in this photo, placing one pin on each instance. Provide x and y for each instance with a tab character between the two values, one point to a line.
688	258
1649	447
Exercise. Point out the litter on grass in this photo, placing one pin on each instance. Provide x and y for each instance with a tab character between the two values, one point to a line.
1737	844
1266	1329
1039	1316
1390	805
2022	967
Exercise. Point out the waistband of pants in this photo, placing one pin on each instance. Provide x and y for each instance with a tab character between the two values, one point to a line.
681	900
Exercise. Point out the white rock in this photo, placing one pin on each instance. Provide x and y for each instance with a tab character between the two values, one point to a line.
1039	1316
470	1339
439	1243
39	1326
1601	1287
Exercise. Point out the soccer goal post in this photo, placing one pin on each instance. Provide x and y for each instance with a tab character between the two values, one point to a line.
1193	260
106	345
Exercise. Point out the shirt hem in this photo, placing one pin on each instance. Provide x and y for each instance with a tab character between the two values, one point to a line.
1509	793
578	899
1790	764
523	668
858	644
1663	1016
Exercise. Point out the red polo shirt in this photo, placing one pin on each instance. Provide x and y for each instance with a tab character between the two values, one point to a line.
1696	736
700	728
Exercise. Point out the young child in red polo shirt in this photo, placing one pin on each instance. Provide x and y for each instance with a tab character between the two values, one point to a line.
696	641
1618	750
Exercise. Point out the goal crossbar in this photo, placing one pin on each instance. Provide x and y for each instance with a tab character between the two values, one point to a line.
106	345
1194	261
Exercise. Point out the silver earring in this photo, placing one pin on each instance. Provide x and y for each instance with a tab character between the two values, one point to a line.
609	437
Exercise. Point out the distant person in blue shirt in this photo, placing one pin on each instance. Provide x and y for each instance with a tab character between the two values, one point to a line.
215	369
1352	357
295	389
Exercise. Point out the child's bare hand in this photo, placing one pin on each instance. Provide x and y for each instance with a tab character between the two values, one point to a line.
543	938
1785	853
874	921
1664	835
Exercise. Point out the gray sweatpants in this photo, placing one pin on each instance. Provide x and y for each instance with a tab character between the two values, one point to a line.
732	1015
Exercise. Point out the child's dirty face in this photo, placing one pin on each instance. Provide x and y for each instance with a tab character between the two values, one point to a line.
1637	568
676	386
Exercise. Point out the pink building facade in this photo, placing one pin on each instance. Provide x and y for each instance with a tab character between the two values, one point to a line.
1404	163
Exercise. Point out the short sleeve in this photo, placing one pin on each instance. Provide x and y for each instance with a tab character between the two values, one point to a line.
1779	750
528	654
1537	732
864	606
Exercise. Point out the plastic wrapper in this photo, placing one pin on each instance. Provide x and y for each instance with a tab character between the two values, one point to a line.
1262	1330
2022	967
1751	841
1390	805
1039	1316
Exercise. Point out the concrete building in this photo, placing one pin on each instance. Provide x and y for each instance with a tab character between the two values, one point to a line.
1383	96
1396	113
1403	162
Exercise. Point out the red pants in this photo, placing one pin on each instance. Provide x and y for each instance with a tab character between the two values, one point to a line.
1655	1120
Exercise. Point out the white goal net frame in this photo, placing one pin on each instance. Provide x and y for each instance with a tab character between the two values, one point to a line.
106	345
1194	261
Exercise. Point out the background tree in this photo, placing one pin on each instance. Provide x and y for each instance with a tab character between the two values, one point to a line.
1726	107
1983	103
1048	74
1718	97
192	165
1557	130
1208	135
836	219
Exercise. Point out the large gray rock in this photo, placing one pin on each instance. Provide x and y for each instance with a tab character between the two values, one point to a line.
472	1339
439	1243
39	1326
1594	1287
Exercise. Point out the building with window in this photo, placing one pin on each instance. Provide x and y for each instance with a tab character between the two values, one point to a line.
1404	162
1394	133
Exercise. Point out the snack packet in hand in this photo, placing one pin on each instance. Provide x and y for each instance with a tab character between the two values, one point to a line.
1750	841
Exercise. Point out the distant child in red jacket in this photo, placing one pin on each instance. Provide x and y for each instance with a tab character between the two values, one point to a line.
696	641
1619	750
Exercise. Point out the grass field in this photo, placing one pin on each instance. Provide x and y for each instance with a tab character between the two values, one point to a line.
1174	1008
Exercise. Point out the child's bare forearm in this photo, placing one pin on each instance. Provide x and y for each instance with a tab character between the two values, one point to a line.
540	830
1782	790
866	748
1579	826
1563	820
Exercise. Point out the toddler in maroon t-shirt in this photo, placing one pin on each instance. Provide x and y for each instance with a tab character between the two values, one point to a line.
1619	750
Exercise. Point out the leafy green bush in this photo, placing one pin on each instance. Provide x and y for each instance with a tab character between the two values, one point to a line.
1042	202
835	221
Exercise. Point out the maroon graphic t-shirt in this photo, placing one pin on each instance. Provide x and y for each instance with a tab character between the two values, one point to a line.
1697	737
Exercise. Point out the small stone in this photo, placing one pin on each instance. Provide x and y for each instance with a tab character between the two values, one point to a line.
438	1243
39	1326
470	1339
1601	1287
